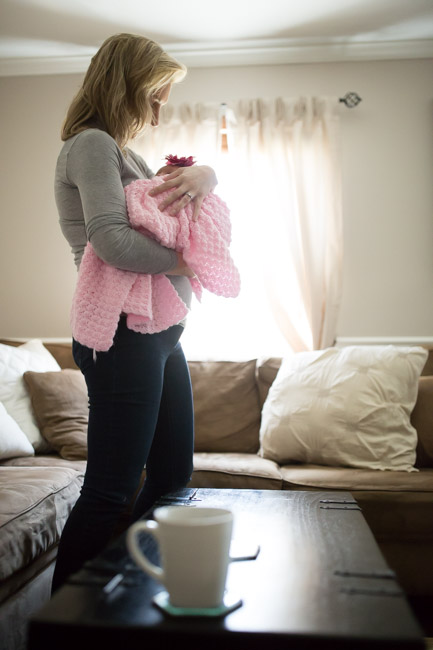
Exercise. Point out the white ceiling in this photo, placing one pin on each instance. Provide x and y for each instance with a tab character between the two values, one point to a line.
42	36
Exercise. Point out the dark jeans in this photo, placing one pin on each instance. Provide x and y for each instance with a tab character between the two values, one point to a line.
140	413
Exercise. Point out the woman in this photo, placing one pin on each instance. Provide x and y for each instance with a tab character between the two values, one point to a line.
140	400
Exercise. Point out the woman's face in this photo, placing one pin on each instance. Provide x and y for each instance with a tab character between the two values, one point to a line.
159	100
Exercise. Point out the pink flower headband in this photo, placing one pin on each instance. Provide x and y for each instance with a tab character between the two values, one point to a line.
180	162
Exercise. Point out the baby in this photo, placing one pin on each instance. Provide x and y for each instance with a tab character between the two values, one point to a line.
151	302
174	161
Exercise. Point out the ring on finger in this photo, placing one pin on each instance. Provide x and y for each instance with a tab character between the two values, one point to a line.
190	195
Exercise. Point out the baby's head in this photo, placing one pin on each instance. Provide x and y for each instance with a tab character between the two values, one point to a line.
173	162
167	169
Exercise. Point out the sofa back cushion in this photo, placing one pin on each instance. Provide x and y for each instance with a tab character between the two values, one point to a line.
428	368
266	371
226	406
422	419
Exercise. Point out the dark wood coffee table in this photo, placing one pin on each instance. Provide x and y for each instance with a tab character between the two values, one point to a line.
319	581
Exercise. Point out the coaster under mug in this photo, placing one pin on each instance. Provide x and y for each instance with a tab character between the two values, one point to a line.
229	604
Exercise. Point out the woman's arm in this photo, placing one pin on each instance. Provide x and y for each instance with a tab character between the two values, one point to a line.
181	268
198	181
94	166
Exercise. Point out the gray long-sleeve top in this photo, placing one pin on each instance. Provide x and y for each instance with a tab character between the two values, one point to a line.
91	173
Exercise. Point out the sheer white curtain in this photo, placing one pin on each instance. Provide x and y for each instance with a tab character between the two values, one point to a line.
280	178
290	149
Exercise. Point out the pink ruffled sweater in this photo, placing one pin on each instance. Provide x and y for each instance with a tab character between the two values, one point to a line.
151	302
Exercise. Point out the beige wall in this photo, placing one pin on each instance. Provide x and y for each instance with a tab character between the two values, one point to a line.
387	157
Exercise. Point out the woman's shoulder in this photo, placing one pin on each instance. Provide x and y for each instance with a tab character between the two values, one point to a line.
92	145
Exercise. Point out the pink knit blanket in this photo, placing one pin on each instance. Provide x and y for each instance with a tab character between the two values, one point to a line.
151	302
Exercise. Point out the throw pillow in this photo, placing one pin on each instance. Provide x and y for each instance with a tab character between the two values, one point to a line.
344	407
14	362
60	404
13	442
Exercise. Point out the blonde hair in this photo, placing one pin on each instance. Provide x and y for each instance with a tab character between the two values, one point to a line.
120	85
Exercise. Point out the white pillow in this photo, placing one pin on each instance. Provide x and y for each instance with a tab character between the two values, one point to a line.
344	407
13	442
14	362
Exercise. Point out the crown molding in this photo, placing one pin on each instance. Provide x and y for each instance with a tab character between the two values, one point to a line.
264	52
43	65
283	51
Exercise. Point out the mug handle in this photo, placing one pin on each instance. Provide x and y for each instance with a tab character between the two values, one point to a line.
150	527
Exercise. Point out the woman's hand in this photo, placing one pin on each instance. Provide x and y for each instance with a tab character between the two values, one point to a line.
181	268
191	184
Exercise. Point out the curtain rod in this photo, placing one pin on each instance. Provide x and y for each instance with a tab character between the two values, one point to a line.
350	100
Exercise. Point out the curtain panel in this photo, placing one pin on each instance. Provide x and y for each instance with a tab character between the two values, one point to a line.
291	150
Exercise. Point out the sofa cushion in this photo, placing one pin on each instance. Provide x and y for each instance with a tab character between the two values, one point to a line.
402	524
50	460
428	368
14	362
422	420
226	406
347	478
266	371
62	352
35	504
13	442
344	407
397	506
60	405
230	470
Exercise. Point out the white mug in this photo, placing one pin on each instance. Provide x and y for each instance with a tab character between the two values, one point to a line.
194	547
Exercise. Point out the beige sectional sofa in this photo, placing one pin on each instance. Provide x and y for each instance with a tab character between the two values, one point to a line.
38	492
